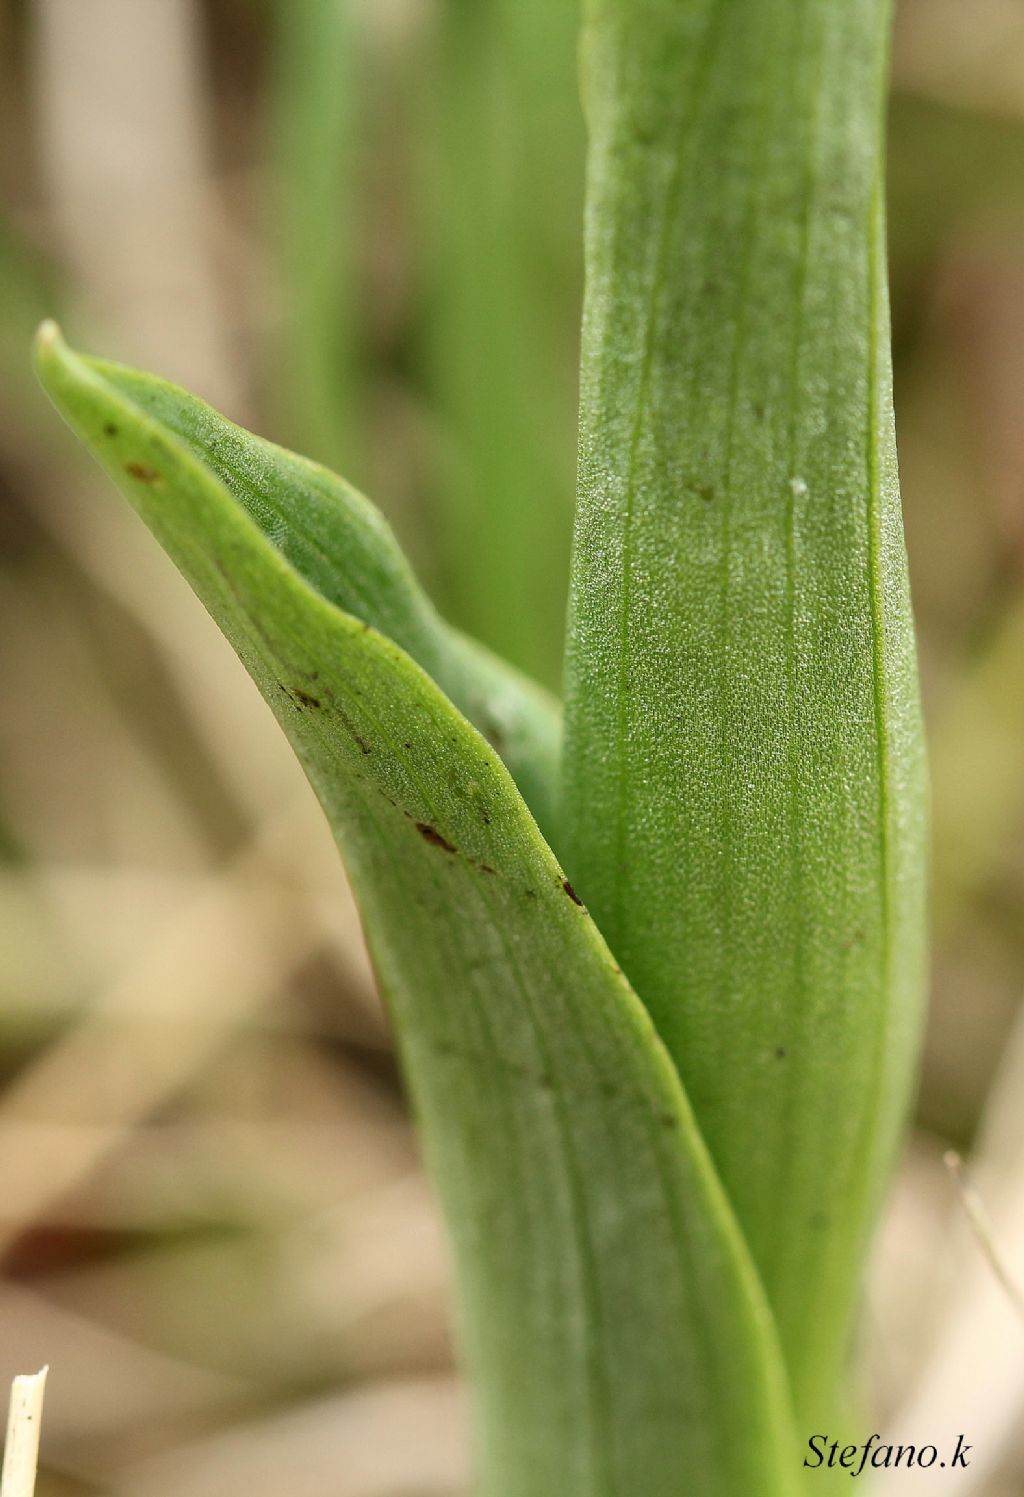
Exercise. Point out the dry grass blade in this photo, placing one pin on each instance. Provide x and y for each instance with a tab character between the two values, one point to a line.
972	1378
983	1230
406	1437
21	1451
228	952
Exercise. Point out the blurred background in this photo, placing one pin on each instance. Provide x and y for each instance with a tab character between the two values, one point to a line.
354	225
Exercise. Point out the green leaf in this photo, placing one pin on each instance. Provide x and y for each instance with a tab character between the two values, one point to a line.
342	546
315	100
743	760
502	168
618	1333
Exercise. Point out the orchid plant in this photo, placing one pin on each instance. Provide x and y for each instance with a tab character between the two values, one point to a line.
654	972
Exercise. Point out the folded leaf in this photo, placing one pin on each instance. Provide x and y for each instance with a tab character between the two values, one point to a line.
345	549
743	764
618	1333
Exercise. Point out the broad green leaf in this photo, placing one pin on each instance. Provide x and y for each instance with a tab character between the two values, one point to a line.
344	548
618	1334
743	762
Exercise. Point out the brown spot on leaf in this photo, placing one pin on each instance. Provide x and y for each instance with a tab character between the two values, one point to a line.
141	472
362	744
780	1052
571	892
433	836
109	429
299	697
